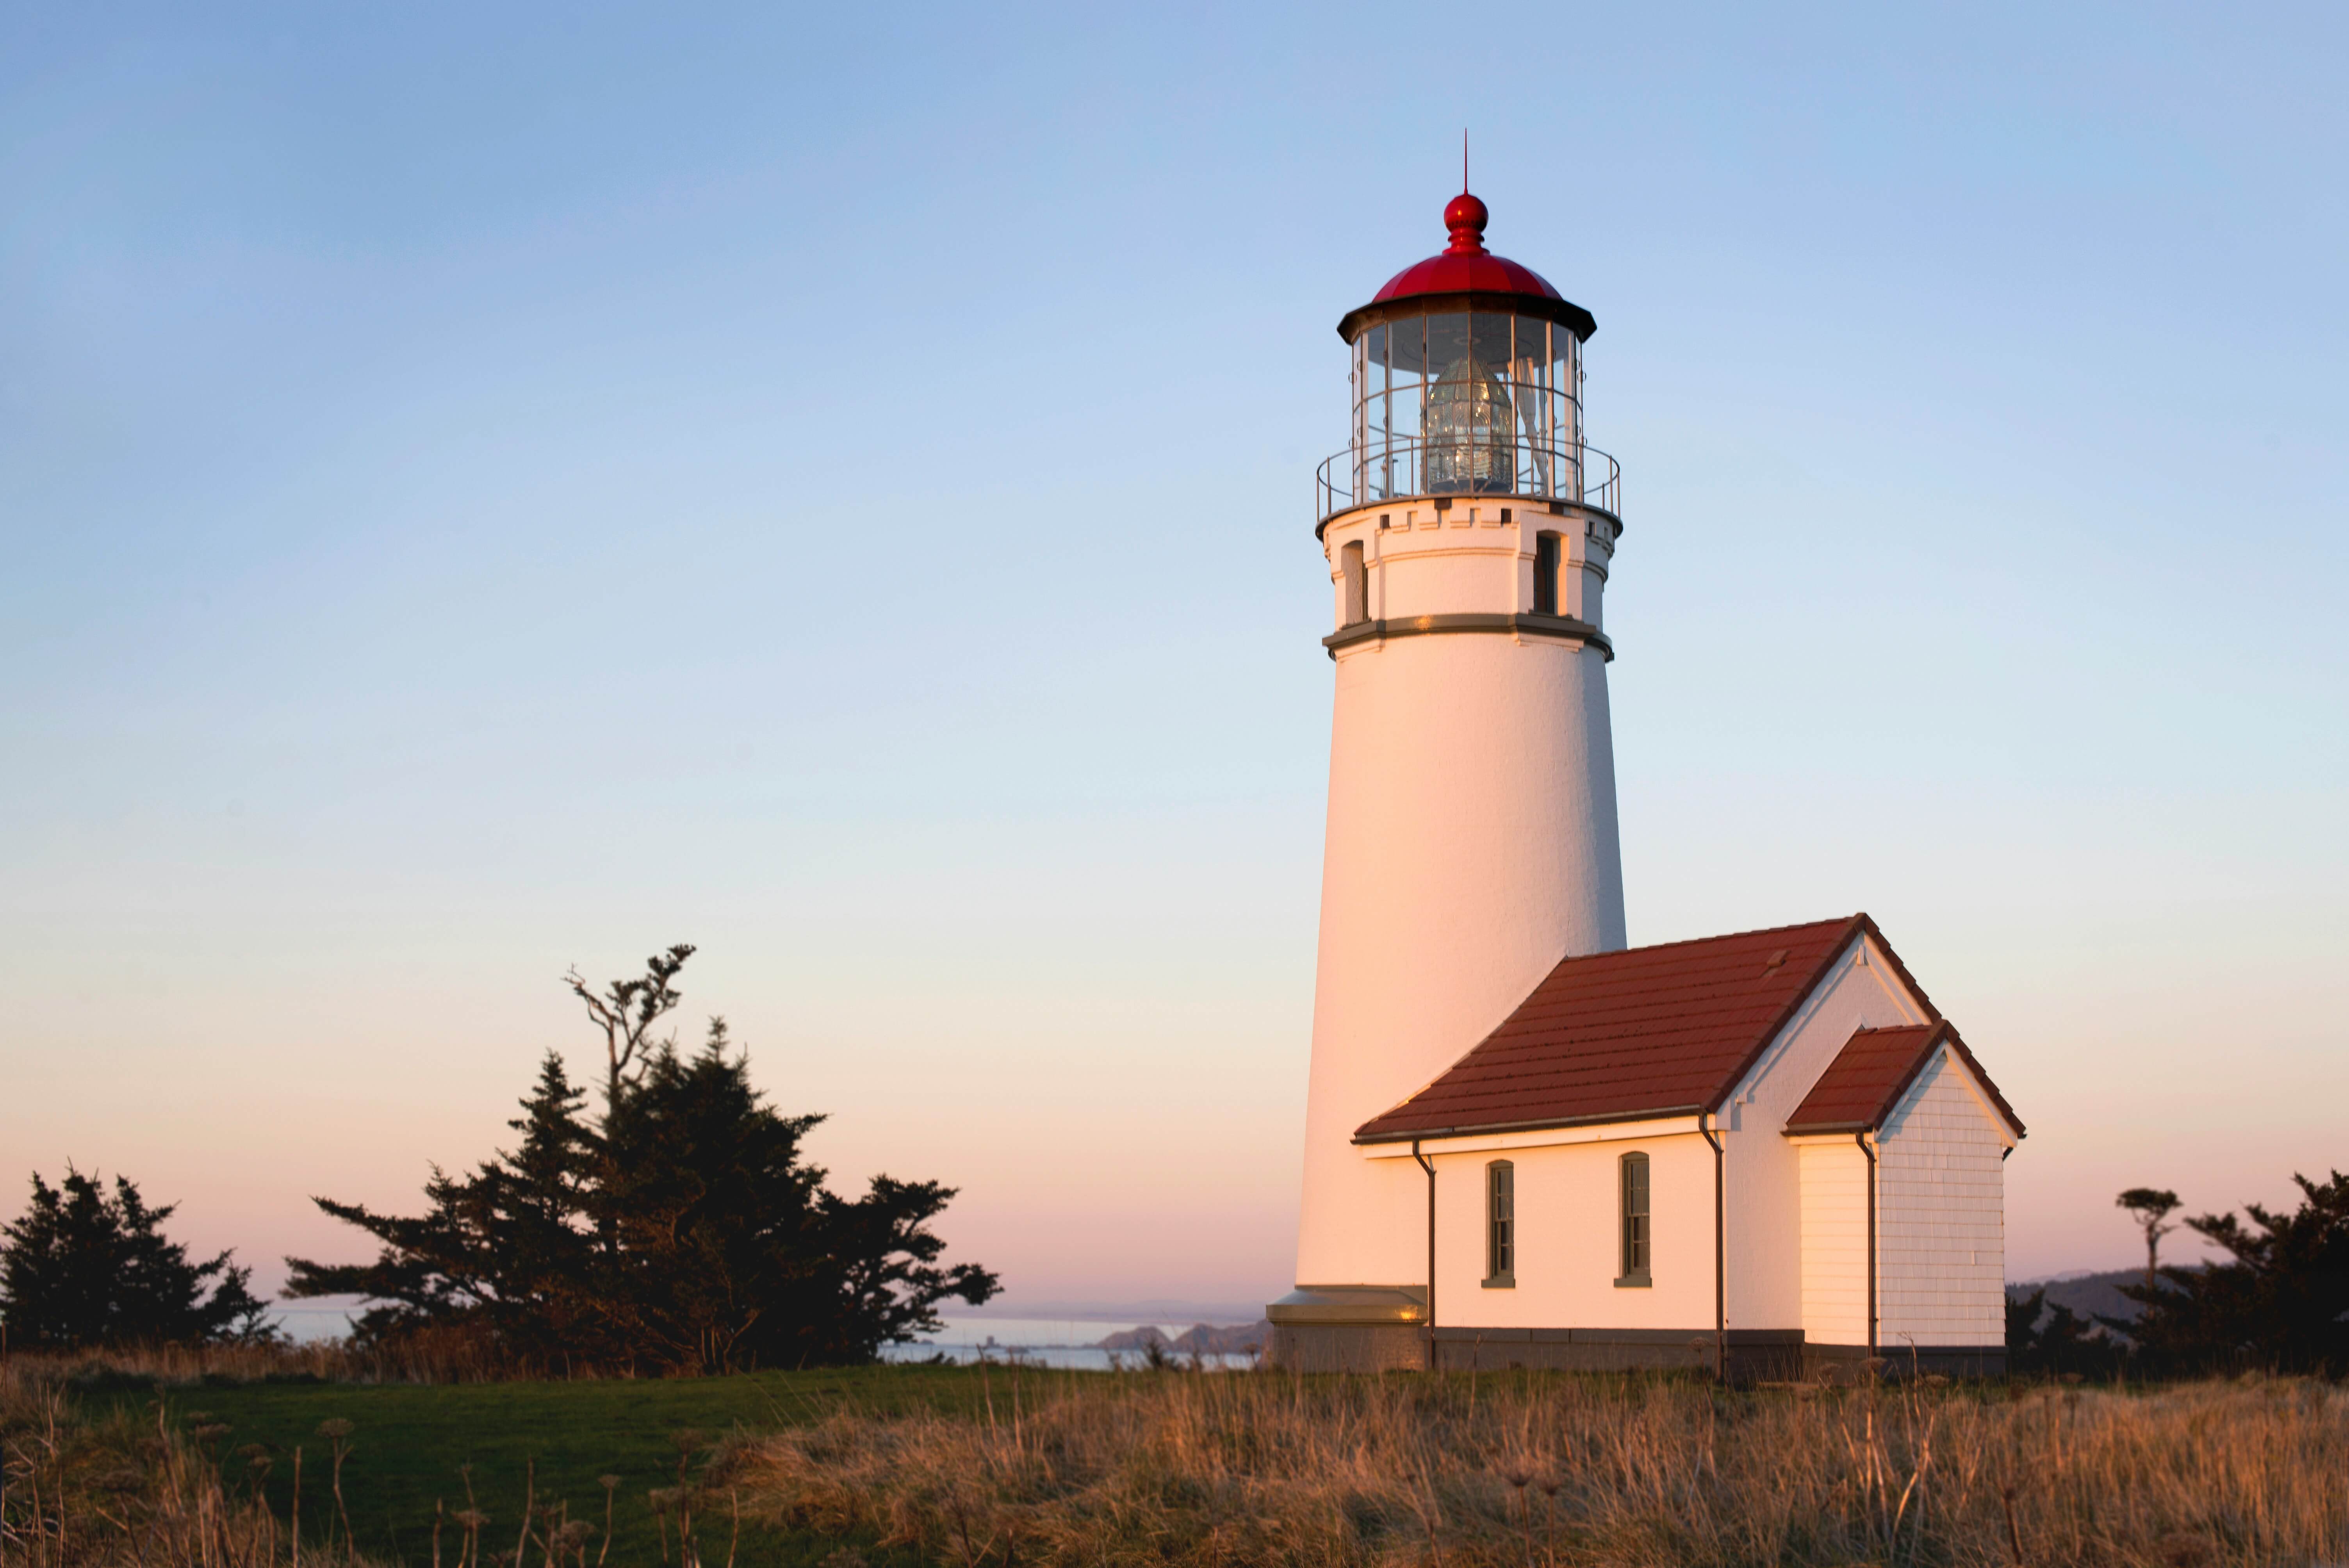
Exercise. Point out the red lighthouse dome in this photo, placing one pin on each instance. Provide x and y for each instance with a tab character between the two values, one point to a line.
1465	267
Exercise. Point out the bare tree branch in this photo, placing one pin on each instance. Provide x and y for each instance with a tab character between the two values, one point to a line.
626	1012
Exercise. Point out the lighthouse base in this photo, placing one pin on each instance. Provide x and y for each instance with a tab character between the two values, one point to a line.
1349	1328
1347	1348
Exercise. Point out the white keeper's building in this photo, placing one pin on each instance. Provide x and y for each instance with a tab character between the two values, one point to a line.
1527	1144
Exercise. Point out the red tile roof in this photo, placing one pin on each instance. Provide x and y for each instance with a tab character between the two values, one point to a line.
1872	1073
1651	1031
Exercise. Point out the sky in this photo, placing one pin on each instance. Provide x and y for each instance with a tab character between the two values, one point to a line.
487	490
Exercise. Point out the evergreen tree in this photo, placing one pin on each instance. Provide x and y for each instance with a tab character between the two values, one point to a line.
504	1250
2281	1303
683	1231
83	1268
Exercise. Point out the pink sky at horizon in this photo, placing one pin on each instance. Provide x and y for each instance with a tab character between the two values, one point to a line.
1073	1204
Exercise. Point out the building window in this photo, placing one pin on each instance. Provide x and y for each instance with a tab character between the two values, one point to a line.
1546	559
1358	586
1635	1238
1500	1223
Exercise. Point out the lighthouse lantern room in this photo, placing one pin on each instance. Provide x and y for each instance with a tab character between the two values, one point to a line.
1466	377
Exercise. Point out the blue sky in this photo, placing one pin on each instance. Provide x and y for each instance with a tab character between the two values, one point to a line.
486	491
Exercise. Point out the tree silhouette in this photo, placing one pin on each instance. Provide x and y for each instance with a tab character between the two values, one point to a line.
84	1268
682	1230
2279	1300
2150	1206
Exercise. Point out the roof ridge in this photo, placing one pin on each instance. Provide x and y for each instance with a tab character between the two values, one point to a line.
1839	920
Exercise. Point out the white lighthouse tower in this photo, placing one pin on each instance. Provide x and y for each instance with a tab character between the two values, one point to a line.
1471	838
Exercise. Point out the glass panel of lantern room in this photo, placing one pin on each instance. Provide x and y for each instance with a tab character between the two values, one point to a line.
1406	377
1565	373
1491	334
1574	381
1494	336
1358	384
1447	347
1529	368
1375	413
1445	417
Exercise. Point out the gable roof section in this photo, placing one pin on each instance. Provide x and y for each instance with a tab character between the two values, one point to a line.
1656	1031
1874	1069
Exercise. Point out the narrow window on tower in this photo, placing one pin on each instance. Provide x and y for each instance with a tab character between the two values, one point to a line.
1546	558
1358	585
1633	1178
1500	1224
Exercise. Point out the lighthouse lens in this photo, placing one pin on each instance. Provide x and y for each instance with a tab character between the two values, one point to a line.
1470	448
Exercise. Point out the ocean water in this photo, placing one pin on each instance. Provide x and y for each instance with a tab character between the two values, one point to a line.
305	1322
1043	1342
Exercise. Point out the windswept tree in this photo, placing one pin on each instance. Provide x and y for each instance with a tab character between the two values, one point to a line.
85	1268
2150	1207
682	1230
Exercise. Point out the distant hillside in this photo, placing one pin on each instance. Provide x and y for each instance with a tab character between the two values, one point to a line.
2087	1295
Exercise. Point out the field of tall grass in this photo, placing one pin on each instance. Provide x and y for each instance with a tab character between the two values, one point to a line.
75	1489
1007	1466
1554	1468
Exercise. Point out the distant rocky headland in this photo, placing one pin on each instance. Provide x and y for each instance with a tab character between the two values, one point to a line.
1200	1338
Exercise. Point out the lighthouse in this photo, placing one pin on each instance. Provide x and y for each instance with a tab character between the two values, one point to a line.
1764	1154
1468	531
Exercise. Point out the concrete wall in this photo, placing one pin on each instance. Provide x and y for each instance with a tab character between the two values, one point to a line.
1941	1217
1347	1347
1765	1168
1471	844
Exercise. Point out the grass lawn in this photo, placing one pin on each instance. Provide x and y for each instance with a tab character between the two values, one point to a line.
409	1441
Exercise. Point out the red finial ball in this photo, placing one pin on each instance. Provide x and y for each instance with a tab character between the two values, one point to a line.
1465	217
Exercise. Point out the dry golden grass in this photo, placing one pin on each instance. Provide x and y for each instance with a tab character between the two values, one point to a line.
1553	1469
76	1492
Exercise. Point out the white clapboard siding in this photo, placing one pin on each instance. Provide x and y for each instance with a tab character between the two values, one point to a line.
1834	1244
1941	1217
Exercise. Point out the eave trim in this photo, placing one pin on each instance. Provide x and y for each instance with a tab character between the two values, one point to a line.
1545	1124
